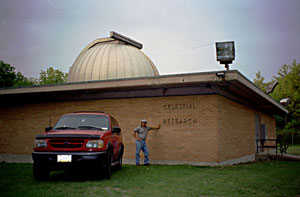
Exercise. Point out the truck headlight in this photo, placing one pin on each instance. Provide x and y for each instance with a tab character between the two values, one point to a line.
95	144
40	144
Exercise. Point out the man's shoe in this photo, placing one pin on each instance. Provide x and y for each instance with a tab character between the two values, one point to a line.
137	164
147	164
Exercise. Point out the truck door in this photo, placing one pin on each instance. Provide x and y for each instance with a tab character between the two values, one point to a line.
114	138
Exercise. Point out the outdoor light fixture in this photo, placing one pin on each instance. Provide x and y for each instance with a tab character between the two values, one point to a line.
225	53
220	74
285	101
271	87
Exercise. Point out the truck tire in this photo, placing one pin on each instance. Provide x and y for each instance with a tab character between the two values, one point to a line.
107	165
41	171
120	159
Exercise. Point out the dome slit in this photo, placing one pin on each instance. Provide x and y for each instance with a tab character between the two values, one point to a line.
87	66
120	63
123	58
136	60
100	66
116	73
109	63
93	64
105	63
142	67
128	70
135	69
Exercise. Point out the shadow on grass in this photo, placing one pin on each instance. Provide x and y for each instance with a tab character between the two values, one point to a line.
78	175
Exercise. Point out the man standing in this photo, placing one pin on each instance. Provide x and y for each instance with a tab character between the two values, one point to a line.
140	133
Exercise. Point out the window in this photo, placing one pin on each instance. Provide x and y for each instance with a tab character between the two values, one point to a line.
75	121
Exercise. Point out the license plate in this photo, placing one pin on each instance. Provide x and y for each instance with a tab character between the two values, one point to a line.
64	158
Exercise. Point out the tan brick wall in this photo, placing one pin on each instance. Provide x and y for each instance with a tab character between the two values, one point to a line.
271	125
204	128
237	129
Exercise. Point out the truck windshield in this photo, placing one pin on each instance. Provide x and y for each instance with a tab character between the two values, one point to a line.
82	121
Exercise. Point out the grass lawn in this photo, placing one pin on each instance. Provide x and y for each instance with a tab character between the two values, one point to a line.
256	179
294	150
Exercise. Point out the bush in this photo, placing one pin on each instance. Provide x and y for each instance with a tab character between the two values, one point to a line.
287	136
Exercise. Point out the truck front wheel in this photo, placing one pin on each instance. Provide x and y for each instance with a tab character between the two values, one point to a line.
120	159
107	165
41	171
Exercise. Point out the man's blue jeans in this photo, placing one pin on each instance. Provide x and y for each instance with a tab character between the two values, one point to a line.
141	144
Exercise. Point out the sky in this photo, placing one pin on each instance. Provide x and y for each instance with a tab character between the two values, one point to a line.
178	35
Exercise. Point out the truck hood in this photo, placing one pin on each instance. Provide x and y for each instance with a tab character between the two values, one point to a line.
88	134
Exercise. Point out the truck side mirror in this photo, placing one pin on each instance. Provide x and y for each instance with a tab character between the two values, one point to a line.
48	129
116	130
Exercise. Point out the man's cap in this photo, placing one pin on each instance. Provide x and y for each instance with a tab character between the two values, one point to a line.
145	121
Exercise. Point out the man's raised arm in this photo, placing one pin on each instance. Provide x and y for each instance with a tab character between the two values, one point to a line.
158	127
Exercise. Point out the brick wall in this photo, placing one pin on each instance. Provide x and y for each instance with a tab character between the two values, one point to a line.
237	129
204	128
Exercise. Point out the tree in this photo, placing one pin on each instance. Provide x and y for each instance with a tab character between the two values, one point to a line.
52	76
288	87
9	78
21	80
7	75
259	82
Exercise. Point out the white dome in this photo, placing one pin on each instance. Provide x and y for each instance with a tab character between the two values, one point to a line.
109	58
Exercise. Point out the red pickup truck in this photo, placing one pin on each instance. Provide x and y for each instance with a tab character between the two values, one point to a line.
90	139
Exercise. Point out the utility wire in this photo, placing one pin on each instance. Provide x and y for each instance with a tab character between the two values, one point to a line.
183	50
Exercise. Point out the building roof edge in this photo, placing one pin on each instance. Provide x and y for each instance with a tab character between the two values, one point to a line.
153	81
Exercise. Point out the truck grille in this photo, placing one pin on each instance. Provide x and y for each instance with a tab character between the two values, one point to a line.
67	143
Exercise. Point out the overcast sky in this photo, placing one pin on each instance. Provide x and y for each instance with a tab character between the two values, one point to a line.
37	34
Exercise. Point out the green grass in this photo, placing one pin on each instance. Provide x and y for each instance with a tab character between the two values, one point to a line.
255	179
294	150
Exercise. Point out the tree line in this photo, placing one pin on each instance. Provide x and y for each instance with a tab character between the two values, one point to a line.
10	78
288	78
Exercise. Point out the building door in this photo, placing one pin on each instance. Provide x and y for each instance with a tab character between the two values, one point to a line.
257	133
257	124
260	133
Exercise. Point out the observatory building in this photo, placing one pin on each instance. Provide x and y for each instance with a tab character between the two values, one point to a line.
207	118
